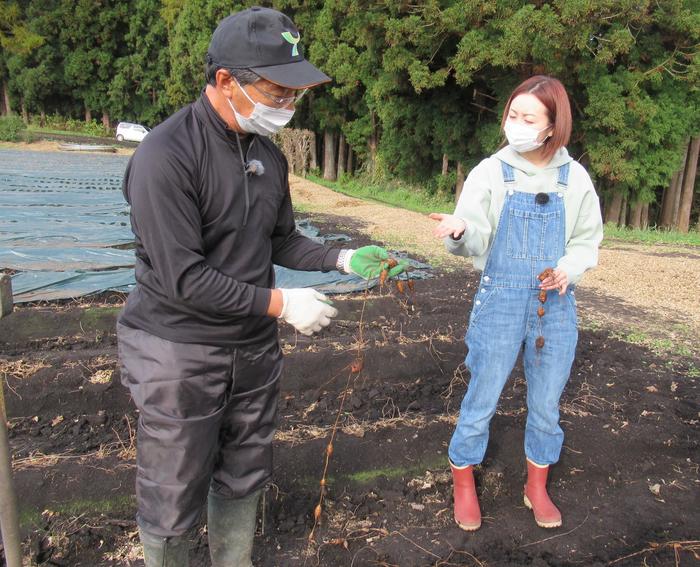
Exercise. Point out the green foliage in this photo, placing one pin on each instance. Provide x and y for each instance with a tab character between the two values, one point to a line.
391	192
137	90
651	236
442	186
60	123
412	81
11	128
15	36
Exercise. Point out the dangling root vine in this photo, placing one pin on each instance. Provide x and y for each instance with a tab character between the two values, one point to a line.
355	367
546	273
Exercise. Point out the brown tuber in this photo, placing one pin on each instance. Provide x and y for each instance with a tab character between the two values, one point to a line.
540	311
329	449
357	365
392	263
411	284
383	276
317	512
547	273
400	286
539	341
542	296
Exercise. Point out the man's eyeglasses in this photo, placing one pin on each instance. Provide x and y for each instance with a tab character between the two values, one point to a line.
281	101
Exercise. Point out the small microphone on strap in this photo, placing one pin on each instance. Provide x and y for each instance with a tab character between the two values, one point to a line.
254	167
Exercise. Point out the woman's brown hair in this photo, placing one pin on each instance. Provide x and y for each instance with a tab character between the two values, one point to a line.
550	92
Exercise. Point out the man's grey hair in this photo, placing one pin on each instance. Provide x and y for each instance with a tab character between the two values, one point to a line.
243	76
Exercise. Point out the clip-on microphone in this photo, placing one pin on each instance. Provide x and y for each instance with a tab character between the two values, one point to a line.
254	167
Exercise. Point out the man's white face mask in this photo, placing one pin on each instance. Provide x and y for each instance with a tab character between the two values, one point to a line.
265	120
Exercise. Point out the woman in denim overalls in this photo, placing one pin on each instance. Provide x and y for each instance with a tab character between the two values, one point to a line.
527	208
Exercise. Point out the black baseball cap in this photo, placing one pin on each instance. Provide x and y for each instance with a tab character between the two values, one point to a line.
268	43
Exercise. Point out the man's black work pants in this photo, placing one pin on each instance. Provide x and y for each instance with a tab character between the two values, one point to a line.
207	416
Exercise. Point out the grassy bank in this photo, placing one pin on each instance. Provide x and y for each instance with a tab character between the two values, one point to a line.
651	236
413	198
391	193
37	132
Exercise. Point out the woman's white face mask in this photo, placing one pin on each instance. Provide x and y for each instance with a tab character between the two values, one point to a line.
523	138
264	120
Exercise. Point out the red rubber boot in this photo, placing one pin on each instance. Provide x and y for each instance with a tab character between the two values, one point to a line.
547	515
467	513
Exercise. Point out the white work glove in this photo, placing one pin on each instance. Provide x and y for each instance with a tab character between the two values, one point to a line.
307	310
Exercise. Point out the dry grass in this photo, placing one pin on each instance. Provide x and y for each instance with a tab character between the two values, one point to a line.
354	428
101	376
127	447
585	402
678	547
38	460
100	369
21	369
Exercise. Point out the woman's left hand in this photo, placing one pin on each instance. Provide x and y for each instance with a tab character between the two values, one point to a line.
558	280
450	225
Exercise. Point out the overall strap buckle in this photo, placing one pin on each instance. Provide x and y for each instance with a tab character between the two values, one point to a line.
563	176
508	174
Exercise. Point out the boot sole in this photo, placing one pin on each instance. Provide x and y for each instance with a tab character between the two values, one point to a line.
468	527
528	505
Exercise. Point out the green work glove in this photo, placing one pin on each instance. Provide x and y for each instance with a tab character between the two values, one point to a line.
369	261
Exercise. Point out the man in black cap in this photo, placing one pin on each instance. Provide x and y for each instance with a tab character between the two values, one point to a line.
211	212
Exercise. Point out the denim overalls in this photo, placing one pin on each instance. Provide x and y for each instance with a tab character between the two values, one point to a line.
529	238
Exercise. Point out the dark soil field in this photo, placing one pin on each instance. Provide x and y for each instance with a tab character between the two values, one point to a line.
627	483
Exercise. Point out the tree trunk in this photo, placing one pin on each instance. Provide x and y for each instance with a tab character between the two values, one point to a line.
612	209
342	146
314	153
373	142
105	119
671	198
6	98
445	164
25	114
688	188
676	204
644	221
329	155
622	222
42	119
676	196
460	180
667	201
88	115
349	164
636	215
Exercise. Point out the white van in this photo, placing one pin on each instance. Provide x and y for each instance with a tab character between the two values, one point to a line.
131	132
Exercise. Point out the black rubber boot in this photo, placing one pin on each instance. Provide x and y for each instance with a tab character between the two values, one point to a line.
231	528
159	551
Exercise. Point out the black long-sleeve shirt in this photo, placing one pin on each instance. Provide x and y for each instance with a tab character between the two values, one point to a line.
203	274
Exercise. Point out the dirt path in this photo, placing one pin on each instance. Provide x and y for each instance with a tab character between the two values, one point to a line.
51	146
649	293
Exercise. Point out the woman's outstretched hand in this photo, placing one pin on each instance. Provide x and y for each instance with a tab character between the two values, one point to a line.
558	280
450	225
